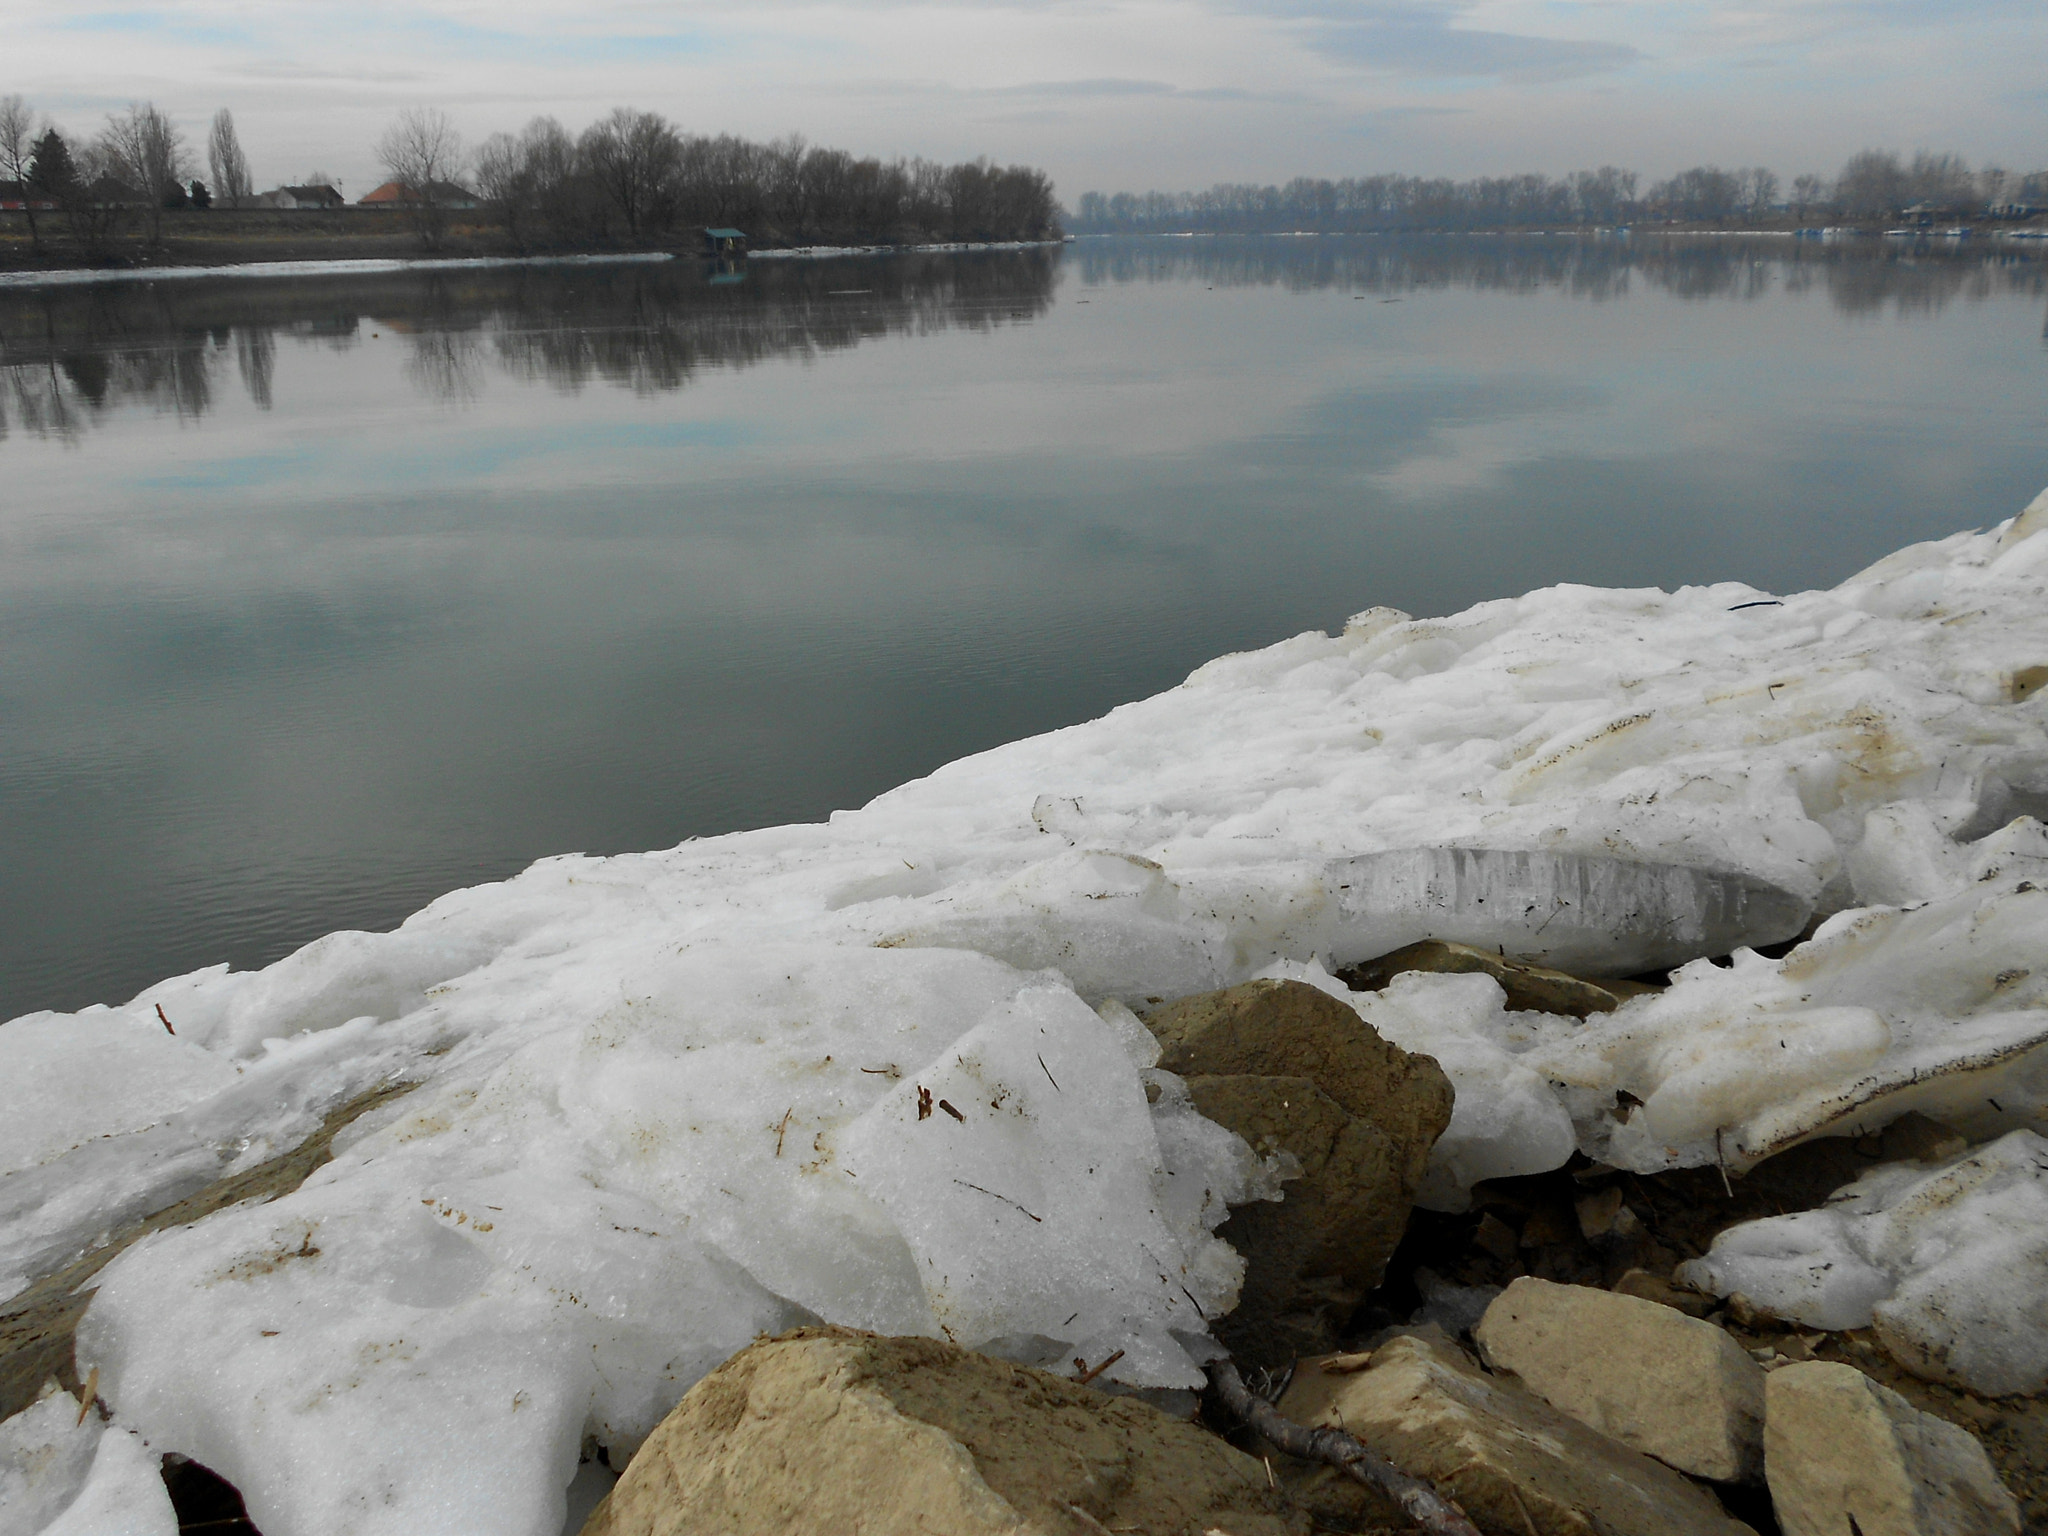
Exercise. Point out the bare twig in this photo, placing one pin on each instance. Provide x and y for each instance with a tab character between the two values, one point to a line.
1090	1372
166	1019
1344	1365
1423	1504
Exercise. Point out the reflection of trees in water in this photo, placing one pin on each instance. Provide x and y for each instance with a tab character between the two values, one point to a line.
71	355
1859	276
449	365
615	327
256	360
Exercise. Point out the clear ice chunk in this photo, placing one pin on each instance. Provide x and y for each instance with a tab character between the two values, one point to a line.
1576	912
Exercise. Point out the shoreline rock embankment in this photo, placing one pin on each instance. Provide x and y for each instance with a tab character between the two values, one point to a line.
1583	953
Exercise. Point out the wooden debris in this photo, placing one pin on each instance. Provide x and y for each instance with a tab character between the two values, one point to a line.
1422	1503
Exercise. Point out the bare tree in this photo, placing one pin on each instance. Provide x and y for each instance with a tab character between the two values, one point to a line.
146	150
232	186
1808	190
17	155
635	158
1946	181
1873	182
422	153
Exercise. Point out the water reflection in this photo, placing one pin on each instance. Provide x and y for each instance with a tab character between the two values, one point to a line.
69	356
1858	276
323	596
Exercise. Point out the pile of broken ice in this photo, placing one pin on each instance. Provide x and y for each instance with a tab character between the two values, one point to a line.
881	1071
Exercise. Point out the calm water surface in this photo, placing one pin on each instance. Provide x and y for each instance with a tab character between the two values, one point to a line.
321	596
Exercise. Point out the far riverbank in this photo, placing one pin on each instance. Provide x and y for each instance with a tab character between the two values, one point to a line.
243	238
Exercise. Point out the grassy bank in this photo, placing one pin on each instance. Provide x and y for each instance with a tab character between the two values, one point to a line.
218	238
222	237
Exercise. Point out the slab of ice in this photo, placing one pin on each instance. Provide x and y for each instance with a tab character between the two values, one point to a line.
1571	911
1941	1008
1949	1262
650	1088
586	1212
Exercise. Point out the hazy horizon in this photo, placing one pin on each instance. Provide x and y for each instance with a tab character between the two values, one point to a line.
1113	95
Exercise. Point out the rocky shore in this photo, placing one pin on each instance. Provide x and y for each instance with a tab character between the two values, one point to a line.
1572	1067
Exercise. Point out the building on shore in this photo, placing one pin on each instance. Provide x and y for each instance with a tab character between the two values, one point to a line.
319	198
396	194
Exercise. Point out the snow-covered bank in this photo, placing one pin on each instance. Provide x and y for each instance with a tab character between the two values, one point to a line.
882	1071
353	266
360	266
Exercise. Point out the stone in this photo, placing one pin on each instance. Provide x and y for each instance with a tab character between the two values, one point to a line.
1530	988
824	1431
1310	1256
1294	1071
1641	1283
1915	1137
1291	1029
1845	1454
1518	1466
1670	1386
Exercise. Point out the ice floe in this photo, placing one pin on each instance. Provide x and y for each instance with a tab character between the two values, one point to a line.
1950	1263
883	1071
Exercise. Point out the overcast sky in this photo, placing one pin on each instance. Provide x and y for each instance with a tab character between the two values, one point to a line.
1108	94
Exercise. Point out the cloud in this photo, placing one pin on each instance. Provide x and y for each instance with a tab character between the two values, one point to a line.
1421	38
1106	87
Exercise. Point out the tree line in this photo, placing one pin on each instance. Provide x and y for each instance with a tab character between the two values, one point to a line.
139	163
1873	184
633	177
630	179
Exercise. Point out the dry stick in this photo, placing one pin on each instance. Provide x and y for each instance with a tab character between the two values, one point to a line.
1423	1504
1090	1372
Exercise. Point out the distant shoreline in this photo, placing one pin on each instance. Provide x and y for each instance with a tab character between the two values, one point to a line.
252	238
22	278
1824	234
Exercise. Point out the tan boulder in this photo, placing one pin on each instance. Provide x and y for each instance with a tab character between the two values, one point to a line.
825	1431
1843	1453
1518	1466
1291	1069
1671	1386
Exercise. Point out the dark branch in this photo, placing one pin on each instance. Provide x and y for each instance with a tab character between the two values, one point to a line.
1423	1504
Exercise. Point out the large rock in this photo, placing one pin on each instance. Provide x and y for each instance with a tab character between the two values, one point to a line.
825	1431
1672	1386
1518	1466
1844	1453
1291	1069
1291	1029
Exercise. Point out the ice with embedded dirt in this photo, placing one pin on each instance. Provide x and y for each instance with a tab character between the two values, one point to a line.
64	1472
885	1071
